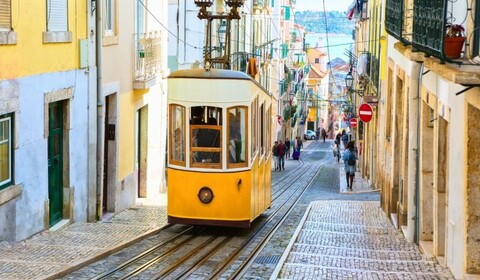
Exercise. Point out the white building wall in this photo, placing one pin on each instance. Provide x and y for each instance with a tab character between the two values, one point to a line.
445	91
27	211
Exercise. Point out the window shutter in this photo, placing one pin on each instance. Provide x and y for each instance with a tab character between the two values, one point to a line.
287	13
5	15
57	15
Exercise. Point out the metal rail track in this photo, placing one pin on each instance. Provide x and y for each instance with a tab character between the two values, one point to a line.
179	269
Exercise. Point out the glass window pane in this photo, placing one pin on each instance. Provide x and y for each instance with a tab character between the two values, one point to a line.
206	136
237	121
177	148
5	151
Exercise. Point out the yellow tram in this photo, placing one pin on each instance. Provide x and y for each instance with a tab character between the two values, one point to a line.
219	159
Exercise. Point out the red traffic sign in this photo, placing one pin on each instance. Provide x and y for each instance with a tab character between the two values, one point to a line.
353	122
365	112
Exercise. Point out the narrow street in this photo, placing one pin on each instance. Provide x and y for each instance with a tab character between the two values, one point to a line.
330	234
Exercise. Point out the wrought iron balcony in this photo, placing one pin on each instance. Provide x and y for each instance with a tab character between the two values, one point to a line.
394	18
426	29
147	59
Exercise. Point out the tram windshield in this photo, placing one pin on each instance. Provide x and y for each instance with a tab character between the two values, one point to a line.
206	132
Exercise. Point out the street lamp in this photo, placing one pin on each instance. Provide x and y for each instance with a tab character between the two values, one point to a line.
221	33
349	81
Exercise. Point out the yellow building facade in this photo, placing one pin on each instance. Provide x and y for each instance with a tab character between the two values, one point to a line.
47	78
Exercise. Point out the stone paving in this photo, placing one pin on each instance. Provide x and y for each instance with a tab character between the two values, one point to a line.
352	240
48	254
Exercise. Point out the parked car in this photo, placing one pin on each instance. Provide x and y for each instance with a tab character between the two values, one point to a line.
310	134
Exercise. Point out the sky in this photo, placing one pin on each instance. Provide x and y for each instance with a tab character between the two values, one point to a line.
317	5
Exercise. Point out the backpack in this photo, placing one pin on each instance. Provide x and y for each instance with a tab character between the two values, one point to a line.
351	158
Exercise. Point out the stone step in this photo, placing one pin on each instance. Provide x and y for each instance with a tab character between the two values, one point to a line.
298	271
358	229
357	253
355	241
361	264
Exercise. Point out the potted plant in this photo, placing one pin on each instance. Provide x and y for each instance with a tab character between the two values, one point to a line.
453	41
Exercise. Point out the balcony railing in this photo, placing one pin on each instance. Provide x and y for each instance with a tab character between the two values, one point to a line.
429	19
394	18
425	29
147	59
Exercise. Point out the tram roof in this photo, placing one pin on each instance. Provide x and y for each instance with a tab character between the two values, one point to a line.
201	73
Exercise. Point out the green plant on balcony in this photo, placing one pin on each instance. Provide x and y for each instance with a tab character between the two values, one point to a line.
454	40
289	112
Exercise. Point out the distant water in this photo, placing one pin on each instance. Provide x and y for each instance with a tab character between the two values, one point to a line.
337	44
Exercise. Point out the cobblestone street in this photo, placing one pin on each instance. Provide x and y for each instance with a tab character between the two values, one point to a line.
352	240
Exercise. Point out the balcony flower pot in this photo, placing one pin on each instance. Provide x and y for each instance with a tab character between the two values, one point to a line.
453	47
453	41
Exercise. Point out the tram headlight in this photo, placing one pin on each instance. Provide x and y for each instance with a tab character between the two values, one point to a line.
205	194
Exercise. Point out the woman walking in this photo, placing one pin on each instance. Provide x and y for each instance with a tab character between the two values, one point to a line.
350	160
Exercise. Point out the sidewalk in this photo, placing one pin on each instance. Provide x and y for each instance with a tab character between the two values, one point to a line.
360	185
49	255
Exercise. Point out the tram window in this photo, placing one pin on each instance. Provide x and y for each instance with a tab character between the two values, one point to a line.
205	125
262	128
237	135
254	144
177	128
213	115
268	119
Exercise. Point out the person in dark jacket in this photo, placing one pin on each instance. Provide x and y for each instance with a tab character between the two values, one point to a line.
350	160
287	149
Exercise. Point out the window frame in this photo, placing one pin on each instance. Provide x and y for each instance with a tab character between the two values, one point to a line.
203	125
172	108
193	149
245	163
254	128
110	24
10	180
52	26
7	15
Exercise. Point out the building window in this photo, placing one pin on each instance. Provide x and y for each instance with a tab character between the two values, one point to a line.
57	15
5	15
110	18
6	150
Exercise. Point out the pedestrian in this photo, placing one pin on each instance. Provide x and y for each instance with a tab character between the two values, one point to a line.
317	133
350	160
287	148
299	144
338	138
324	134
344	139
275	155
281	155
336	151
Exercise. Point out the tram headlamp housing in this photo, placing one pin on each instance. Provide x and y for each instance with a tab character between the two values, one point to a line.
205	194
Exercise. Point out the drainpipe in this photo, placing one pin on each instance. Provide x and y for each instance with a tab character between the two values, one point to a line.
414	154
100	103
